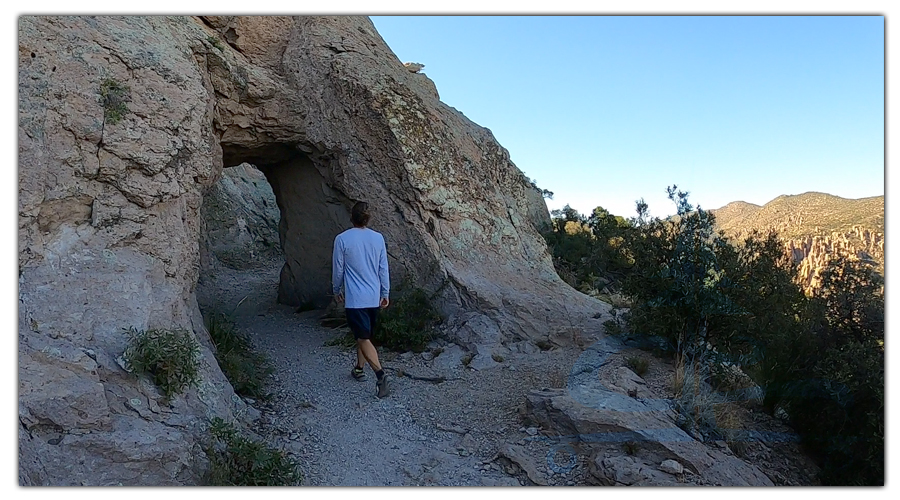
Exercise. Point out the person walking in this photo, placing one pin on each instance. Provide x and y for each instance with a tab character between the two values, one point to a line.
360	267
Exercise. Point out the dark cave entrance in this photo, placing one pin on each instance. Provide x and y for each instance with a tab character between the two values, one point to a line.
310	214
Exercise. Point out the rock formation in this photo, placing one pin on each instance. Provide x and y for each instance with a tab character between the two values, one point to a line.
599	416
812	253
240	221
125	123
815	228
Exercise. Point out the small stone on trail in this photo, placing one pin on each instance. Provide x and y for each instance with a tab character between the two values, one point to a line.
671	466
532	431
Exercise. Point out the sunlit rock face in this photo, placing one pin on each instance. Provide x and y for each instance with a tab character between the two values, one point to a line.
125	123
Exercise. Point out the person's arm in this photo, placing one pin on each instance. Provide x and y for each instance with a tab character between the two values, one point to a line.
337	267
383	274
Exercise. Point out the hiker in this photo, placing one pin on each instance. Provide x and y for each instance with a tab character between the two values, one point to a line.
359	265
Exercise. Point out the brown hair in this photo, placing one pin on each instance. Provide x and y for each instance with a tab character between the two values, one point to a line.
359	216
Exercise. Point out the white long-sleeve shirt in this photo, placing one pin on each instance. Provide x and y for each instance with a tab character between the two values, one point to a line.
359	265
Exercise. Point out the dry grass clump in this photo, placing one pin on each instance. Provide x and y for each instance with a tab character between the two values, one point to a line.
730	426
637	364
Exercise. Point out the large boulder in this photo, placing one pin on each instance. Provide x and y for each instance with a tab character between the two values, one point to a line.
601	417
125	123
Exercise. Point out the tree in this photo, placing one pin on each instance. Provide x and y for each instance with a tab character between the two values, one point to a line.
677	283
588	251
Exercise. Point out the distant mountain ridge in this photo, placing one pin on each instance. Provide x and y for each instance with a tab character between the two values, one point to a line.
814	226
807	214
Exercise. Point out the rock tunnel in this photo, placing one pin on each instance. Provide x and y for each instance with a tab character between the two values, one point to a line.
310	213
111	237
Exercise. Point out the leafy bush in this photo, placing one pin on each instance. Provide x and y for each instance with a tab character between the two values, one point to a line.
113	97
588	252
246	369
170	357
834	393
238	461
630	447
612	327
408	324
728	308
678	283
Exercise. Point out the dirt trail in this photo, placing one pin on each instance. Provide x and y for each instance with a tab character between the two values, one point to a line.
423	433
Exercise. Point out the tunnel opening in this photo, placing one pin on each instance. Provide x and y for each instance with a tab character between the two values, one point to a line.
273	208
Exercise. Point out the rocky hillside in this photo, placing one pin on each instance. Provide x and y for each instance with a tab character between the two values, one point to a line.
125	124
814	227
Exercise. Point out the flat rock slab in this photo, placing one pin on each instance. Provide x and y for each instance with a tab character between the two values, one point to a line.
629	471
449	360
592	413
520	457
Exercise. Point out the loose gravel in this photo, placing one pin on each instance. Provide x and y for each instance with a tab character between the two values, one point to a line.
424	433
449	433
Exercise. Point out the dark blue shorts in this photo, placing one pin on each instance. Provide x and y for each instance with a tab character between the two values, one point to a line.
362	321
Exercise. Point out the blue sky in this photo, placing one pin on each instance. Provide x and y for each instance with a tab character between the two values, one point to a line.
606	110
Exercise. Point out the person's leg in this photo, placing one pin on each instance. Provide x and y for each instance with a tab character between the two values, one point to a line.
367	349
362	323
358	372
358	320
360	357
371	354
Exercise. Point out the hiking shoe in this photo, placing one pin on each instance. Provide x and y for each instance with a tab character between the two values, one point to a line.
358	373
382	386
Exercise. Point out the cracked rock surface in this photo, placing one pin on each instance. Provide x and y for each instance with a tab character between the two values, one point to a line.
126	123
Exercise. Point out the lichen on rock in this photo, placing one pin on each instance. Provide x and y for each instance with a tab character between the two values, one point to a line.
110	225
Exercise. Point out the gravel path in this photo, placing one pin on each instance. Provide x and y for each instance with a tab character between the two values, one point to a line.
422	434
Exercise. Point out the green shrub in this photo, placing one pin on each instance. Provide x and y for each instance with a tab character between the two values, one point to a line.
588	252
678	283
113	97
408	324
238	461
820	357
834	390
170	357
713	302
246	369
612	327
